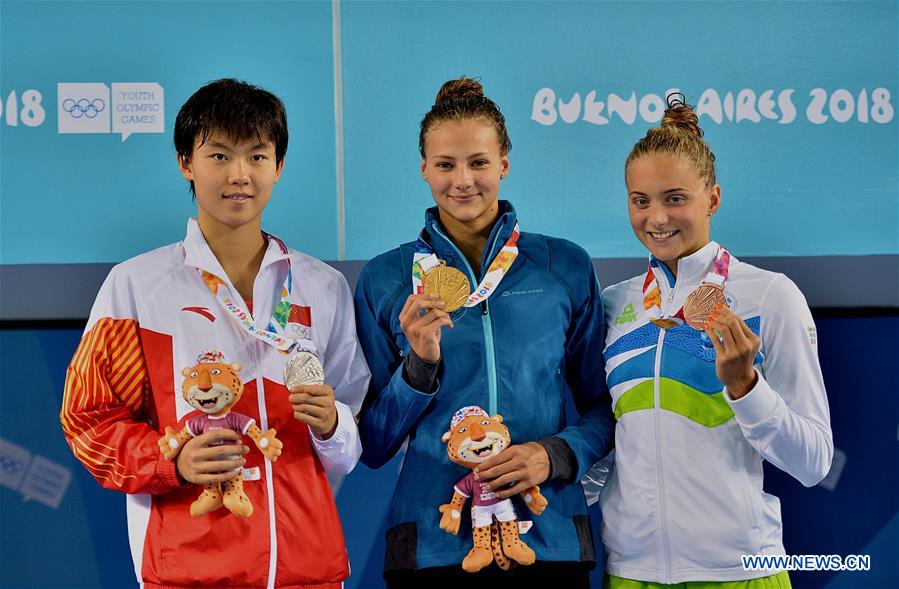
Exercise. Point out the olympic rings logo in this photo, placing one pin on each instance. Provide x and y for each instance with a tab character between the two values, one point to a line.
84	107
9	465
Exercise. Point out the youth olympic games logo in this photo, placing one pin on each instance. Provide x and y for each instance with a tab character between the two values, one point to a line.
125	107
83	107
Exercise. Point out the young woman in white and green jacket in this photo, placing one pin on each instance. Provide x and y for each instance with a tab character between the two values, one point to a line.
704	386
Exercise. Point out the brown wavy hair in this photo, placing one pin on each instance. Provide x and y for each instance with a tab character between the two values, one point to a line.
679	135
464	99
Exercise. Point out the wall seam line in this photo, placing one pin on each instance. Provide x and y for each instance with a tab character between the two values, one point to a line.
338	129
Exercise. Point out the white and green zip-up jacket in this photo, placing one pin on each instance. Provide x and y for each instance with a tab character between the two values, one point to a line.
685	500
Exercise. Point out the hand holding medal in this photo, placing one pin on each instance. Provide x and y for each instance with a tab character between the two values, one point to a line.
312	400
735	349
421	319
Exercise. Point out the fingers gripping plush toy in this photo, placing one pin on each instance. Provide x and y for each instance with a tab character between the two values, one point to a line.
473	437
213	387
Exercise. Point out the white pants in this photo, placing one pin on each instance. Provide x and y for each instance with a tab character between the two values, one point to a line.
483	515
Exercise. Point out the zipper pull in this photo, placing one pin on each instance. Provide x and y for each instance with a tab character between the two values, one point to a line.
483	307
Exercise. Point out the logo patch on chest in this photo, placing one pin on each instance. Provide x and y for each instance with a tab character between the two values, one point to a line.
202	311
627	315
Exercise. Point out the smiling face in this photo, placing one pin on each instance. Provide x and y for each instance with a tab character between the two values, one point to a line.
463	167
670	206
213	388
233	180
475	439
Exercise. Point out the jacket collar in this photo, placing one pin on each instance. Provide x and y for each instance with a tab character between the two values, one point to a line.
436	236
690	269
198	254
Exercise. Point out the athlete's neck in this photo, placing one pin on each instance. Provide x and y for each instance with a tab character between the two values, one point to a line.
672	265
470	237
238	249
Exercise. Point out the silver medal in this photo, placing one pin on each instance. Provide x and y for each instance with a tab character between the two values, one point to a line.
303	368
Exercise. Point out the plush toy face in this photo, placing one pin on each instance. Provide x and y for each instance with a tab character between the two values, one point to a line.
212	388
475	439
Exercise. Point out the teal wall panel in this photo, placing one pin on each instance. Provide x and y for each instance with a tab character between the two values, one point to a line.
791	185
78	197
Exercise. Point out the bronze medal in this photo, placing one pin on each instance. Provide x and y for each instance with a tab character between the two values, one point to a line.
701	303
449	284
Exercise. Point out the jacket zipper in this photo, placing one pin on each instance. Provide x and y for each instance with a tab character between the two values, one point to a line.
486	325
657	419
491	356
663	517
269	483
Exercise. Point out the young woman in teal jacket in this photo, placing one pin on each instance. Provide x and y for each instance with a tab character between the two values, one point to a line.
531	332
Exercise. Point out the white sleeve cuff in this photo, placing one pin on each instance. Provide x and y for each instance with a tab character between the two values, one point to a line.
756	405
339	453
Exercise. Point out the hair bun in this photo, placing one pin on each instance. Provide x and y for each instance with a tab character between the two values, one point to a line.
680	115
464	87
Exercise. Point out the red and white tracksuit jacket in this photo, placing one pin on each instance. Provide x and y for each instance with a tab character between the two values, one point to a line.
153	316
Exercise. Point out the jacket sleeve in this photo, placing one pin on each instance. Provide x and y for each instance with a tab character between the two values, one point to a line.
392	407
347	373
785	417
591	436
102	409
339	453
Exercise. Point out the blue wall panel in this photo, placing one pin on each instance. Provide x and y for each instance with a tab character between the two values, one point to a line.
76	197
786	185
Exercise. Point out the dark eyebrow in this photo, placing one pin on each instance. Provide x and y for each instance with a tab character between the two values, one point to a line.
472	156
675	190
220	145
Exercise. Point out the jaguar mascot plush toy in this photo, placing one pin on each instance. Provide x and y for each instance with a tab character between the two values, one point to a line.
213	387
473	437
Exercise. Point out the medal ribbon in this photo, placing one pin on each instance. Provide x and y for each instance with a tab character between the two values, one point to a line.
278	334
424	259
652	296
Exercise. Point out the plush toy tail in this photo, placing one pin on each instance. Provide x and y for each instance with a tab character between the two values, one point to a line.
496	545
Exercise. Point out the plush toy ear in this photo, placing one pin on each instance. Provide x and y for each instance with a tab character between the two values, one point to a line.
446	436
186	372
236	367
497	418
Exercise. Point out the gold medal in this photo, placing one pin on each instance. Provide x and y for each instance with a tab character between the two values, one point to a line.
449	284
701	303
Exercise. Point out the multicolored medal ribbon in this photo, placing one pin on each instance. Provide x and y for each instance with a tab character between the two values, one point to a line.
285	330
433	276
700	304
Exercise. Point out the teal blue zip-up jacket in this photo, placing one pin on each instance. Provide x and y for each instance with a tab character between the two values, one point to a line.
537	338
